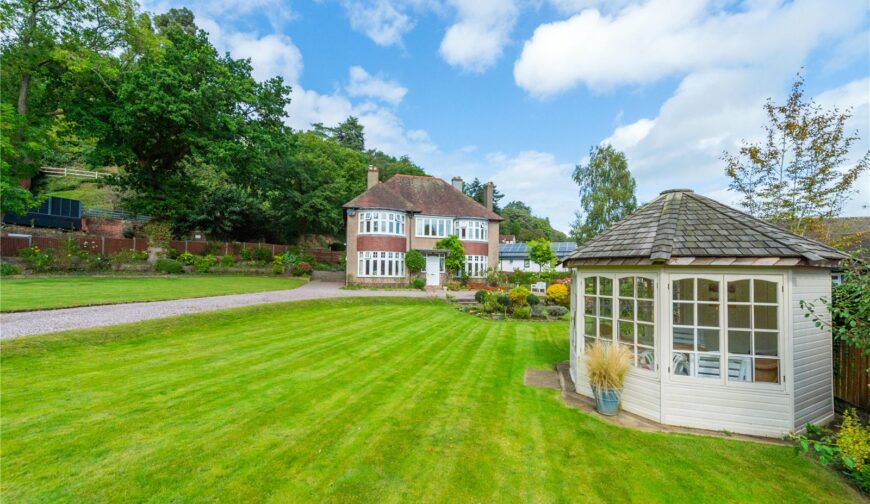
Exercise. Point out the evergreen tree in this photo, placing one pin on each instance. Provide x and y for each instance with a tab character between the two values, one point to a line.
606	192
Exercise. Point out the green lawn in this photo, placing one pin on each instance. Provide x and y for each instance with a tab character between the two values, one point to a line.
40	293
363	400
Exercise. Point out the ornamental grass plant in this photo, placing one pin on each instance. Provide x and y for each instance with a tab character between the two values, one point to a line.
607	365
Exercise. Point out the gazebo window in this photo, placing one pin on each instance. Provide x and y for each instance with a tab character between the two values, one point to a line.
753	331
636	324
598	309
696	336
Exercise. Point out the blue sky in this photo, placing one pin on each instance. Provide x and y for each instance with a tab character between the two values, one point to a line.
518	91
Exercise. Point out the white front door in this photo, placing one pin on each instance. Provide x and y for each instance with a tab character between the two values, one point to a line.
433	270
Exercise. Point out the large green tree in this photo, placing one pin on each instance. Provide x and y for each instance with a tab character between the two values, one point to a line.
802	172
349	133
477	191
520	222
606	192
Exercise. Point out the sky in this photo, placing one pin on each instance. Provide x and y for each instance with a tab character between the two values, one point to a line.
518	92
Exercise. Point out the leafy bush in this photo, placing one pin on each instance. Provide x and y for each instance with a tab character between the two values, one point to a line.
558	294
533	299
212	247
37	259
522	277
480	296
302	269
522	312
490	305
172	253
848	309
261	254
454	285
414	261
418	283
169	266
7	269
519	296
228	261
556	311
158	233
539	312
278	265
204	264
503	300
494	277
290	258
848	450
187	258
245	254
126	257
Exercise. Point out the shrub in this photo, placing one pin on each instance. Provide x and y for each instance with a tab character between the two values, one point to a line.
494	277
7	269
415	261
169	266
503	300
187	258
557	311
464	278
172	253
212	247
454	285
290	258
480	296
302	269
204	264
847	451
245	254
519	296
228	261
558	294
37	259
539	312
125	257
158	233
853	440
607	365
418	283
533	300
490	305
522	312
261	254
522	277
277	265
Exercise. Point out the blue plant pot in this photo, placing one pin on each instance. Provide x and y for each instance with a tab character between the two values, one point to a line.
606	401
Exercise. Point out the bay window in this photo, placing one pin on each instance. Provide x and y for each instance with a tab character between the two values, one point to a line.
597	309
475	265
472	230
381	264
381	222
433	227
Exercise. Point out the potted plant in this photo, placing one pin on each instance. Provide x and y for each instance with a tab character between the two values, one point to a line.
606	367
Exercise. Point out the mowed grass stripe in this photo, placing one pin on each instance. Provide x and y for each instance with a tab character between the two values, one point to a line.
341	401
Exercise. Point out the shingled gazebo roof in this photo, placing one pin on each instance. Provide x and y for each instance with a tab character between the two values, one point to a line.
680	227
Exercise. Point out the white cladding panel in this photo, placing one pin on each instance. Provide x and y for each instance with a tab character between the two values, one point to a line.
813	360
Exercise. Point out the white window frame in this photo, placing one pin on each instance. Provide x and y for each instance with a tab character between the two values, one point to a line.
476	265
438	227
695	326
381	222
472	230
782	311
380	264
777	281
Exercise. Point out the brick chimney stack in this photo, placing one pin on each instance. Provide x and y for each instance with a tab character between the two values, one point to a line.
488	190
457	183
372	176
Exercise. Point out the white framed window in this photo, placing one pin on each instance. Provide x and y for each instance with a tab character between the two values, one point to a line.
475	265
382	222
472	230
381	264
727	327
433	227
597	309
636	327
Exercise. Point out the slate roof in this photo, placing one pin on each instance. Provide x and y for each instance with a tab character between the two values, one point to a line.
521	250
680	224
425	195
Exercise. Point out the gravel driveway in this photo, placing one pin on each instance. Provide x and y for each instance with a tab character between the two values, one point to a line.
13	325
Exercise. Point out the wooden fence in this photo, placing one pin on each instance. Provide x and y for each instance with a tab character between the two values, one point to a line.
10	245
850	376
52	171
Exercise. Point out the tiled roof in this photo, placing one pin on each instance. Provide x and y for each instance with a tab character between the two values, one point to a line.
521	250
425	195
682	224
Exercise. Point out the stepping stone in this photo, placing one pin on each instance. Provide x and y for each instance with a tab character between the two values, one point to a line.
542	378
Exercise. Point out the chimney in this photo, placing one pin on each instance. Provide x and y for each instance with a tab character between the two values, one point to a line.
488	189
372	176
457	183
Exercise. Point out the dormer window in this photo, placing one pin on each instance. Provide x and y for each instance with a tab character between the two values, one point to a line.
383	222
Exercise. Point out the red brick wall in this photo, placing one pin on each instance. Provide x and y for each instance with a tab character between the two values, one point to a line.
476	248
381	243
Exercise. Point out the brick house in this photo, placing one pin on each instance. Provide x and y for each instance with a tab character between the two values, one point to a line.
410	212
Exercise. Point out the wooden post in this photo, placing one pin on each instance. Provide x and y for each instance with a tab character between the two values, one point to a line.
102	245
185	246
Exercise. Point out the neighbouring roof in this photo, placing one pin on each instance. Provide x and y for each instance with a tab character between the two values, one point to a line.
680	227
425	195
521	250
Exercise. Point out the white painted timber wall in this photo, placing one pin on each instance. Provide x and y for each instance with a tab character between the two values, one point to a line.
510	265
813	364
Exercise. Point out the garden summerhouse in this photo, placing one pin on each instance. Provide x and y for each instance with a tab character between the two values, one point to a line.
708	299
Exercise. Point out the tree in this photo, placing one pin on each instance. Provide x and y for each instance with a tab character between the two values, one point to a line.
455	260
847	311
519	221
477	191
347	134
415	261
541	253
606	192
801	172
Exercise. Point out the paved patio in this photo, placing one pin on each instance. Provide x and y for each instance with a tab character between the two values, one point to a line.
13	325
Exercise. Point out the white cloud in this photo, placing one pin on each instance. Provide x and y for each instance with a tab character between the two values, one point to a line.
363	83
629	135
383	21
643	43
477	39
